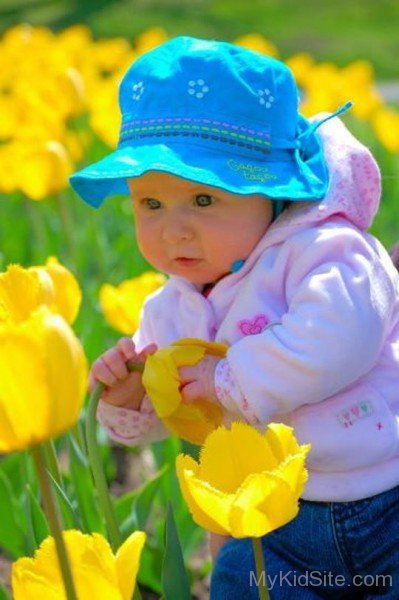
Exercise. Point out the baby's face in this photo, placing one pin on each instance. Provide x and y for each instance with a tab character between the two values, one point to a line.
192	230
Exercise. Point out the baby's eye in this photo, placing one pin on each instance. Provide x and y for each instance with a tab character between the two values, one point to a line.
152	203
204	200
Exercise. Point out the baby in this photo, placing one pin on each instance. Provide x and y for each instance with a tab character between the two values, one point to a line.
259	217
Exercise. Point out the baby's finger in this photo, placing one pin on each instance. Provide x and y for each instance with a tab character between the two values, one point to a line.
101	372
91	383
126	346
116	363
147	351
188	373
192	391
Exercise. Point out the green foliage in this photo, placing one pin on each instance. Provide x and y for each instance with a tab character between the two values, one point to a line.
84	488
175	583
38	523
69	516
3	593
12	537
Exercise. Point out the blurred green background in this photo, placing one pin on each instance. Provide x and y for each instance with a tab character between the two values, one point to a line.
340	31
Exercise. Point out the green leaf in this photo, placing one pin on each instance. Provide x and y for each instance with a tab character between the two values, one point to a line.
37	517
12	466
150	568
145	497
133	508
84	489
12	537
175	582
4	595
70	519
124	505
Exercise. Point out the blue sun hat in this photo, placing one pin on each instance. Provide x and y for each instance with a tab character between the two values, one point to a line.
213	113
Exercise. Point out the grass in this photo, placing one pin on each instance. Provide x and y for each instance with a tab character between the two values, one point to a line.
339	31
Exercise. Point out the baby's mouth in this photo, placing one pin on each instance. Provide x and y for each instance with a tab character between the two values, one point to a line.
186	261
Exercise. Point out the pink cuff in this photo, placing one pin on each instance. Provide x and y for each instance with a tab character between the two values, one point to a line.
229	394
131	427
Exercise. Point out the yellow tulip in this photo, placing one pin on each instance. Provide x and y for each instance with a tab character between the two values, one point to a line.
301	65
24	290
45	170
386	127
43	374
246	483
64	292
122	304
97	572
108	54
104	113
192	421
258	43
149	39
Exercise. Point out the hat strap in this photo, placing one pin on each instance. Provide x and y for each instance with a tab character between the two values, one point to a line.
303	137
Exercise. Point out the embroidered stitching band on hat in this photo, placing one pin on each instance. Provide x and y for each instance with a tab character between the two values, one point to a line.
214	113
204	128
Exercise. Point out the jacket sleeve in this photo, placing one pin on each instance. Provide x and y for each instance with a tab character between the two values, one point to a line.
339	297
131	427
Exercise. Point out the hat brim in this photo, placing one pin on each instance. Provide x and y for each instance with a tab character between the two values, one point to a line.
281	175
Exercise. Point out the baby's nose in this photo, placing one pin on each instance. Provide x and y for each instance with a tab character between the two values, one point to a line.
176	229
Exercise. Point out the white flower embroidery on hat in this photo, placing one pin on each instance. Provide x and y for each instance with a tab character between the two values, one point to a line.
197	88
138	89
265	98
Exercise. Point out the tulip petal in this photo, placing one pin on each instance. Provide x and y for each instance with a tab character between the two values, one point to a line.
22	390
66	372
26	585
194	421
228	494
228	457
67	293
122	304
92	564
199	503
264	503
127	563
19	294
161	378
293	471
282	440
42	369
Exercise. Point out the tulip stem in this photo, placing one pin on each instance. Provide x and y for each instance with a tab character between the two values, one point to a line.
52	461
52	515
260	569
97	469
96	463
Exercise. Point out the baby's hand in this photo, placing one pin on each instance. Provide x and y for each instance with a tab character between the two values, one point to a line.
198	381
122	387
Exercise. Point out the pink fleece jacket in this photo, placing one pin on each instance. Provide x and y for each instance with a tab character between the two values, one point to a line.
312	321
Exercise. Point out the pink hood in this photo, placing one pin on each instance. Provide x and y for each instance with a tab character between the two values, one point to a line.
354	188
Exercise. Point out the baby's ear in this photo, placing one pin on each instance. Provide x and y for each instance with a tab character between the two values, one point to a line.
394	253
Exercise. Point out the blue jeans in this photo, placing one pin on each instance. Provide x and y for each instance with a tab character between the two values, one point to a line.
339	550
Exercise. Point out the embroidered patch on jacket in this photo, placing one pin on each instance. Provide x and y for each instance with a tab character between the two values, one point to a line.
253	326
349	416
